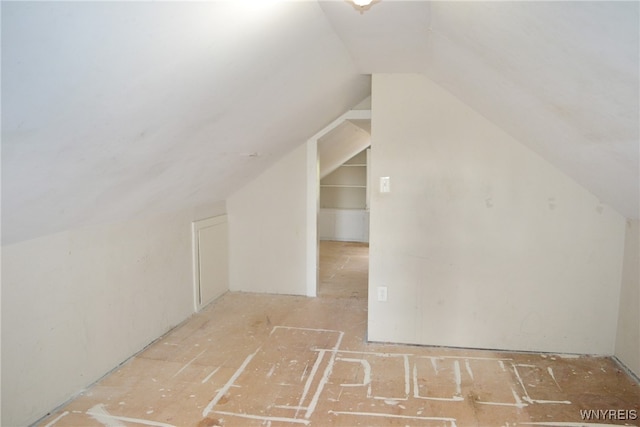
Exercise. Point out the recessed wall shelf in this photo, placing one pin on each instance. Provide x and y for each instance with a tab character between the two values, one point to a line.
346	187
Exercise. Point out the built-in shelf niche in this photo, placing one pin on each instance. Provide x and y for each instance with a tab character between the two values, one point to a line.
346	187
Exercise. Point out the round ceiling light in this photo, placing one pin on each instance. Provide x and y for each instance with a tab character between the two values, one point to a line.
362	3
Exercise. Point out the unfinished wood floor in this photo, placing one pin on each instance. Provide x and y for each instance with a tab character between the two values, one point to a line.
344	269
266	360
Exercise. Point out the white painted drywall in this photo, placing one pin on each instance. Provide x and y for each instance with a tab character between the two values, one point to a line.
77	303
628	337
268	229
562	76
481	242
343	225
341	143
97	95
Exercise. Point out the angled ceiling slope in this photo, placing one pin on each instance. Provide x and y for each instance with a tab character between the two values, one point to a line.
116	109
341	144
345	137
561	77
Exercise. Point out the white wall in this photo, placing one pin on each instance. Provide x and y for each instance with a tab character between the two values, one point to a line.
77	303
481	242
345	225
628	337
268	224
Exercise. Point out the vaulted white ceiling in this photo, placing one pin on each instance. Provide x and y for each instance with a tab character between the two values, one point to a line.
117	109
562	77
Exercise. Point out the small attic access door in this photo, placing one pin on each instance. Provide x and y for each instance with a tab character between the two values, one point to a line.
210	259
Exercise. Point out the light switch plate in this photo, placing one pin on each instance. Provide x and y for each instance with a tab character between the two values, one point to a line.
385	184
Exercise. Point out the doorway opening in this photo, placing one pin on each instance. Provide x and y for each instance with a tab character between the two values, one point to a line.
336	144
343	228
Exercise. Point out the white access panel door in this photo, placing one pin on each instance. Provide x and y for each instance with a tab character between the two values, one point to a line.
211	259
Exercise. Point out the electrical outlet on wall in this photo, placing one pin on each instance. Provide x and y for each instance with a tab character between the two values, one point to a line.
382	293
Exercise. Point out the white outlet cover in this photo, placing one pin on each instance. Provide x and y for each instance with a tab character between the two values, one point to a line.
382	293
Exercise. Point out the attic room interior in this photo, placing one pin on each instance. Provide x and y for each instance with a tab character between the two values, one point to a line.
273	213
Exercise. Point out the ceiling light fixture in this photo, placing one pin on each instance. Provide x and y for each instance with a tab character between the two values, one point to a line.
363	5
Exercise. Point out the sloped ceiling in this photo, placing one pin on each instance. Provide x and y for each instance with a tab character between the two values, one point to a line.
117	109
341	144
562	77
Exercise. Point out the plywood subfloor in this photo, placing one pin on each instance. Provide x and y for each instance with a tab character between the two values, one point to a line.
264	360
344	269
